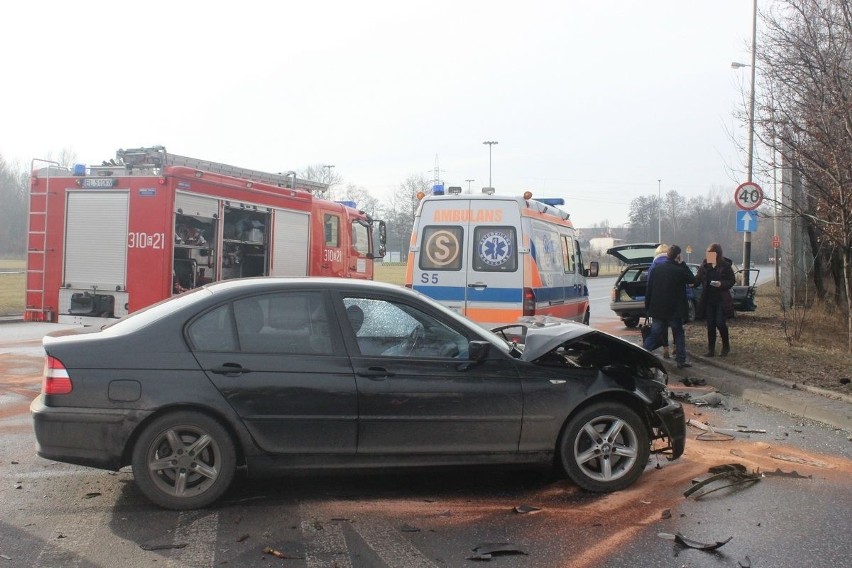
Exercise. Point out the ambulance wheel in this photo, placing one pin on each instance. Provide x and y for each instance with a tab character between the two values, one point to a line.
587	317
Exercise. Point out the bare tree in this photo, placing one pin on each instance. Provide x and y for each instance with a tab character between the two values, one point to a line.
399	212
806	112
323	173
13	215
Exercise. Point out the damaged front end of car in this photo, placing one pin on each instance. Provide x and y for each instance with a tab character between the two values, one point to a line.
620	365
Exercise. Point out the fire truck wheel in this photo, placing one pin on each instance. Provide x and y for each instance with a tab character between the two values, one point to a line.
184	460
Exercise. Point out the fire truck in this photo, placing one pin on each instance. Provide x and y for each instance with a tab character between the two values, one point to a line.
107	240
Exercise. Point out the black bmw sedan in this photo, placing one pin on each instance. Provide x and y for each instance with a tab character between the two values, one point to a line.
271	375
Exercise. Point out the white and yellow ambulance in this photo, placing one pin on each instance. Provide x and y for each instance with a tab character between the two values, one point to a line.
496	258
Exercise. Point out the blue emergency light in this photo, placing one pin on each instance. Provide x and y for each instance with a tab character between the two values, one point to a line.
78	170
438	189
348	204
552	201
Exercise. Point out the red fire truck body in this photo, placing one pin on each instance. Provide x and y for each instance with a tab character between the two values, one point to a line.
105	241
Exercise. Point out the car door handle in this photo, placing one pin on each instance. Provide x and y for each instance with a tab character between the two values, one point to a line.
478	285
230	370
374	373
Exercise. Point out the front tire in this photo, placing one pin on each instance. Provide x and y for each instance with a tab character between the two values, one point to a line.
184	460
604	447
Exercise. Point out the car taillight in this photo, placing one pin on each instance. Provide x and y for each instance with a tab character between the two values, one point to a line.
615	295
529	302
56	379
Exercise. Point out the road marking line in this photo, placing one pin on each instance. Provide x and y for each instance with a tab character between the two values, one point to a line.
387	542
325	544
198	531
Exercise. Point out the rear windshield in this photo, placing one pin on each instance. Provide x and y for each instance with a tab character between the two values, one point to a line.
154	312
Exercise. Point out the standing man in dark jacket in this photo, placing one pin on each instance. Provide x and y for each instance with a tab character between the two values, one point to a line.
665	302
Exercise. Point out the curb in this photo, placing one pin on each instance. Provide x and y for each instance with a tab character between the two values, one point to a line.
714	362
827	407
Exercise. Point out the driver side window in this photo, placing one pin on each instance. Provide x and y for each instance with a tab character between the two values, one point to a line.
391	329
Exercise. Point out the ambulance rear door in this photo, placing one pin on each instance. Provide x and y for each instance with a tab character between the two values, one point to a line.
494	281
467	256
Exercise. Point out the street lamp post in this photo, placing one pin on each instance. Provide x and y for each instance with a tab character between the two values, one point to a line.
490	144
659	211
327	168
468	184
750	165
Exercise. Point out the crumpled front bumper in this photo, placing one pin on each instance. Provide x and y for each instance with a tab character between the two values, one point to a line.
670	423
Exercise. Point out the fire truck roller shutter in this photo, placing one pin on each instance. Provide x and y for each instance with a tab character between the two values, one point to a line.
290	243
96	239
196	205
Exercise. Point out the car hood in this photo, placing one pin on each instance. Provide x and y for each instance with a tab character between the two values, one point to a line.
542	334
637	253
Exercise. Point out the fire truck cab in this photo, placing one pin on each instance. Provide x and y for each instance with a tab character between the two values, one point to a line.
108	240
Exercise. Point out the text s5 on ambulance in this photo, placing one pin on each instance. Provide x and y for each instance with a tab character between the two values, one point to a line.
495	258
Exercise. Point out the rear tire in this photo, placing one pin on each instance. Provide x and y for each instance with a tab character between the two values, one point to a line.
631	321
184	460
604	447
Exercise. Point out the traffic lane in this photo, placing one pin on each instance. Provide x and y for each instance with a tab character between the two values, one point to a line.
66	514
782	520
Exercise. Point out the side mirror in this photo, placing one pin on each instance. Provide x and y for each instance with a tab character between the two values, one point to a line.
478	350
592	270
381	239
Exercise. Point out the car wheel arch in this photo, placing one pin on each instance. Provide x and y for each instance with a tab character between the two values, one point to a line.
587	469
628	399
238	440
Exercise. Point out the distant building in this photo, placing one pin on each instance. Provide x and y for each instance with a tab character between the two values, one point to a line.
599	245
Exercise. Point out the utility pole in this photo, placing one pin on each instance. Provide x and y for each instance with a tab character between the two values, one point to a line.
490	144
659	211
327	168
747	234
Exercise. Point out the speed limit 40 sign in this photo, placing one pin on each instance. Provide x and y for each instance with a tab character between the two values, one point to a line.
748	196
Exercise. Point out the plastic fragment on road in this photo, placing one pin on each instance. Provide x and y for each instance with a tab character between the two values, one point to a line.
243	537
709	399
162	546
690	543
803	461
409	528
523	509
278	554
487	550
734	473
745	562
666	514
788	474
709	434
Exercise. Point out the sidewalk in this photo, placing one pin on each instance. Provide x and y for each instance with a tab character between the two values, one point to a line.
827	407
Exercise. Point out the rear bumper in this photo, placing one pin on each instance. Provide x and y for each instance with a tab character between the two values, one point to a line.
628	309
83	436
671	422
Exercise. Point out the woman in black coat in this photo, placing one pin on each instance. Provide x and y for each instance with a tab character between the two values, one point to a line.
716	275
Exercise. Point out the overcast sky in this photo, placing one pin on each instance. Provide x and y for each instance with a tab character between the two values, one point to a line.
592	101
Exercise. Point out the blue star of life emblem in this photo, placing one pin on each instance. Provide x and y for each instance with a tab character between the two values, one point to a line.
494	248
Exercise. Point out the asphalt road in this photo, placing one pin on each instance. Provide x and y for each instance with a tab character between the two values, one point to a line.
54	514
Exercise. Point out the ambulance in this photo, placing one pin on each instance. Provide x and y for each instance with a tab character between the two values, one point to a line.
495	258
